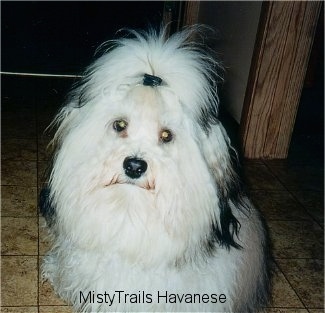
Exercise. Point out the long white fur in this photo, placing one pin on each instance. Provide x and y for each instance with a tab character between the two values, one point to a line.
112	233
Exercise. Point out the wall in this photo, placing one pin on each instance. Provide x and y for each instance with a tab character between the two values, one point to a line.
235	23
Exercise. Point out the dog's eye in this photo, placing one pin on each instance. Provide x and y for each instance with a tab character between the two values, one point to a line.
166	135
120	125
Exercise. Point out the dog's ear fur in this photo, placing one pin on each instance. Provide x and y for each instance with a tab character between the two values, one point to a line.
220	158
46	208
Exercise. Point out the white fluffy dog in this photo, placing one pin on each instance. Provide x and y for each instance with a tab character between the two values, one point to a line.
145	209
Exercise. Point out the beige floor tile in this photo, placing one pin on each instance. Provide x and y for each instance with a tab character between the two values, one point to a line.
18	201
285	310
45	150
19	280
300	177
306	277
43	169
296	239
282	294
47	297
258	177
19	236
20	309
18	149
19	173
55	309
278	205
44	238
313	201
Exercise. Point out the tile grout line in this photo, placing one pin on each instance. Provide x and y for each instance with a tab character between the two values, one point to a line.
37	210
285	276
275	176
306	210
294	290
293	195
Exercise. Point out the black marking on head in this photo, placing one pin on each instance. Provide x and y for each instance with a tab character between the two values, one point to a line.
151	80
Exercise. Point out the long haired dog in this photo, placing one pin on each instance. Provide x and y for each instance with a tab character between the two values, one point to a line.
145	209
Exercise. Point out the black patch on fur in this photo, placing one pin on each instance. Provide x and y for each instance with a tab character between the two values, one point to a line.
46	208
232	191
230	226
225	235
260	297
208	117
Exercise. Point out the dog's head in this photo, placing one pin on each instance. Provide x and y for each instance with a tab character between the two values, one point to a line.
140	151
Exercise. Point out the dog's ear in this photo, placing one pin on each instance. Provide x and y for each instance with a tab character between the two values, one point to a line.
46	208
220	158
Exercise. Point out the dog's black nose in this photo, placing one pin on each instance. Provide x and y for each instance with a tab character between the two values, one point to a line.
134	167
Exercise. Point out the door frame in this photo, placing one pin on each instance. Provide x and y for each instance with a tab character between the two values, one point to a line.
279	65
283	44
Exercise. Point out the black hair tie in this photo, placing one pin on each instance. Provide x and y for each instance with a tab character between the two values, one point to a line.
151	80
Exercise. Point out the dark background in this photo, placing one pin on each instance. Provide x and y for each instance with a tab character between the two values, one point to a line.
61	37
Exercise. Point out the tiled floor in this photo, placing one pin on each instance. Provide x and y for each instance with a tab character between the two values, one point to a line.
290	193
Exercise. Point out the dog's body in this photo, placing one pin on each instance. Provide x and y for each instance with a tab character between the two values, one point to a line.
144	207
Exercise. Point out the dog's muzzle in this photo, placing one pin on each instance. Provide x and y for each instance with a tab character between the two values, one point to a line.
134	167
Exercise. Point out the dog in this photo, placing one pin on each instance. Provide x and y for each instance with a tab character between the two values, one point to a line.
143	204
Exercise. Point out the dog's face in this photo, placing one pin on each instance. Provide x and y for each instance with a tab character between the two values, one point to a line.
134	164
141	164
142	136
